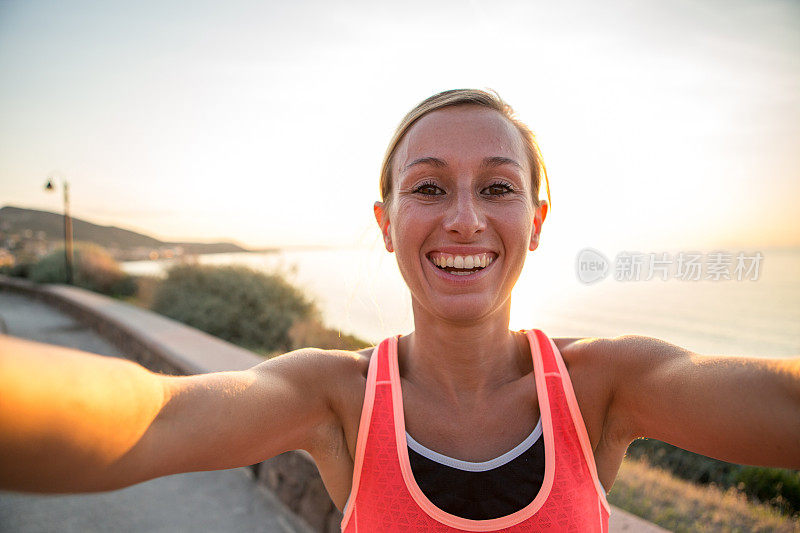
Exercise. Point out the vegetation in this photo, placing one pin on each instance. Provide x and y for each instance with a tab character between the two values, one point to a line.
146	287
257	311
679	505
312	332
21	268
93	269
775	486
243	306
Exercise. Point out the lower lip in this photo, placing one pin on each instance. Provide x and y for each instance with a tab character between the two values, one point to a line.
460	279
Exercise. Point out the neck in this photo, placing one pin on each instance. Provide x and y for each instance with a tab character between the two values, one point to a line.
463	360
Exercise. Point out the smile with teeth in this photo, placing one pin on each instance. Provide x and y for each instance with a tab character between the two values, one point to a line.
461	265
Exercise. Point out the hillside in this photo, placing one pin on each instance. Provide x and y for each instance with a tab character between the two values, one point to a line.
16	220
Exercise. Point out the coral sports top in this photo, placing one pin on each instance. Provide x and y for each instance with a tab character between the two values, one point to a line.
385	497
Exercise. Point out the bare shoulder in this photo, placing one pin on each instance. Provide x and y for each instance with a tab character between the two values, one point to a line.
586	354
620	360
352	363
608	372
349	376
340	374
318	363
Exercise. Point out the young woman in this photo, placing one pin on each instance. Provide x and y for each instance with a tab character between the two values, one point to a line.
462	425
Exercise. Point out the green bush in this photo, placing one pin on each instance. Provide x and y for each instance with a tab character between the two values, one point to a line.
684	464
776	486
23	261
93	269
18	270
243	306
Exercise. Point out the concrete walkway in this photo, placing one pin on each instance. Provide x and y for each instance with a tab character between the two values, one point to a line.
219	501
23	317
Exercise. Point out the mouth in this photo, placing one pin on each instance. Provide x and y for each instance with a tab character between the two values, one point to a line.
461	265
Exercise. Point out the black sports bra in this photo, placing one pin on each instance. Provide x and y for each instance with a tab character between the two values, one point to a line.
481	491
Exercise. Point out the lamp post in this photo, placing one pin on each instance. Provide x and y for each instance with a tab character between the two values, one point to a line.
50	186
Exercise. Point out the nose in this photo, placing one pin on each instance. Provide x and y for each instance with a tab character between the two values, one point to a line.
464	217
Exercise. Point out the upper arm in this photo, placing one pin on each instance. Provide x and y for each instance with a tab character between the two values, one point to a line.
737	409
230	419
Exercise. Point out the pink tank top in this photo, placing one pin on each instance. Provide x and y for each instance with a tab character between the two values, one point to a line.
385	498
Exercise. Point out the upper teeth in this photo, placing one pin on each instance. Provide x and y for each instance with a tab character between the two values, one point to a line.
462	261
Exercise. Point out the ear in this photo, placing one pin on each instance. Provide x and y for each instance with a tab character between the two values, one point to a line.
538	220
381	217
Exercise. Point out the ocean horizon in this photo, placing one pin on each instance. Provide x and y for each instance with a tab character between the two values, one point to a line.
360	291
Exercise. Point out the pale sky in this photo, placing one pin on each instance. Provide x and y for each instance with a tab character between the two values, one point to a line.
663	124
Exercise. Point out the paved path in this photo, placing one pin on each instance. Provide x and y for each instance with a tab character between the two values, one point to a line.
23	317
219	501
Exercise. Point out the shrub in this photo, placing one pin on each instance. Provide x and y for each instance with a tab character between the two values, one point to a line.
93	269
146	287
21	266
776	486
17	270
685	464
311	332
243	306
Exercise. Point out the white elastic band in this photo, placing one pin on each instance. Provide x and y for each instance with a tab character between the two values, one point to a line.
482	466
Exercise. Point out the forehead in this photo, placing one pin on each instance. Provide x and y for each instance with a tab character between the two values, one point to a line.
461	135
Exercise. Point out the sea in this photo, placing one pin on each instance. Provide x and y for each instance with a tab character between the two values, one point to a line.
360	291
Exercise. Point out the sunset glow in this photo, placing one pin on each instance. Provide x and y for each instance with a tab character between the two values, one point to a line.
661	124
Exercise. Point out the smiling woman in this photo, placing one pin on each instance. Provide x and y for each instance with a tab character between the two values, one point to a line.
466	181
462	425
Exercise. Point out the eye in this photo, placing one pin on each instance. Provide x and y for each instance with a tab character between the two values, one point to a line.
499	189
429	188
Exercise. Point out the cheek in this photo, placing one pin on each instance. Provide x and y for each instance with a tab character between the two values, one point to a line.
516	221
409	221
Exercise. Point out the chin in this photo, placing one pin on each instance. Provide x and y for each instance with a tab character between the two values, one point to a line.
463	307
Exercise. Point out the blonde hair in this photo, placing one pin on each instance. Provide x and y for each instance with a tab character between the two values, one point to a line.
456	97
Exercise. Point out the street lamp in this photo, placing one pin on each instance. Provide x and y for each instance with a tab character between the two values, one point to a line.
50	186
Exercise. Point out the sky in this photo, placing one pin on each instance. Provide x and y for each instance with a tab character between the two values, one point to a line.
664	125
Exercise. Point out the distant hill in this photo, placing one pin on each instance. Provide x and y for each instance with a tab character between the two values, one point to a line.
15	220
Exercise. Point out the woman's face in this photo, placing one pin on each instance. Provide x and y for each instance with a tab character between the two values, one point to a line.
461	196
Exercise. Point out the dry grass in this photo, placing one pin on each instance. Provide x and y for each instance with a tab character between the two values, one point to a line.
679	505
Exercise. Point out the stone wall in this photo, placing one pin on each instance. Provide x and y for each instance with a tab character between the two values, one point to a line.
169	347
294	479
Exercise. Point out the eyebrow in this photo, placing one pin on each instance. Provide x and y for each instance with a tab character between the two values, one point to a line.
496	161
489	162
432	161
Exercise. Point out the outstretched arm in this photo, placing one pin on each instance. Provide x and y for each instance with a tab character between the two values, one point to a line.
77	422
71	420
737	409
